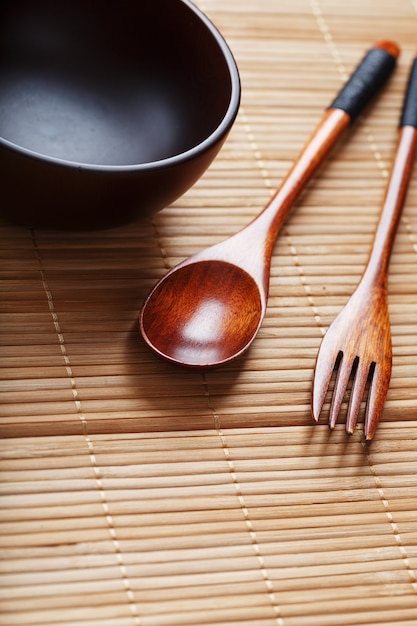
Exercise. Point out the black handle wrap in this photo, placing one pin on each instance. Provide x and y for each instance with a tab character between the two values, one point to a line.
368	77
409	113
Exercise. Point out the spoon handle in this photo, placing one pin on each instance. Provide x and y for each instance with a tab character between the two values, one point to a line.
365	81
396	190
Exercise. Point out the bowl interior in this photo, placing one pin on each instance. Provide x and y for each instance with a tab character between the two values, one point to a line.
118	83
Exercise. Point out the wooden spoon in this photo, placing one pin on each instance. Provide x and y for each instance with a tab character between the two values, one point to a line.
207	310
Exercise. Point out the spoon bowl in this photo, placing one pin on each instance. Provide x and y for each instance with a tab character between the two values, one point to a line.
226	313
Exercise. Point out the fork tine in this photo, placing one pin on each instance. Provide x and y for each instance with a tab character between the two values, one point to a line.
342	379
377	393
325	365
358	389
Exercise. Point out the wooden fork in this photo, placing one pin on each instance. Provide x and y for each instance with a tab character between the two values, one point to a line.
358	342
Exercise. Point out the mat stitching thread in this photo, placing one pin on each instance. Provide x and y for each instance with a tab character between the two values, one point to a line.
395	530
384	172
244	508
328	38
410	233
294	255
91	452
267	182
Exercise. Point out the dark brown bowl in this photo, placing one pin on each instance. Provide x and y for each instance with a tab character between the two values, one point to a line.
109	111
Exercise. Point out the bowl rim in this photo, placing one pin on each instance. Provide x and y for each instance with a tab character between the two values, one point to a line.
219	132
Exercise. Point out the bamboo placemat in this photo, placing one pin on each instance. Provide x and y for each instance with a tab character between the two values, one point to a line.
139	494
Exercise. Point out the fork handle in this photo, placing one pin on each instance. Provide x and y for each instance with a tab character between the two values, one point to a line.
396	190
